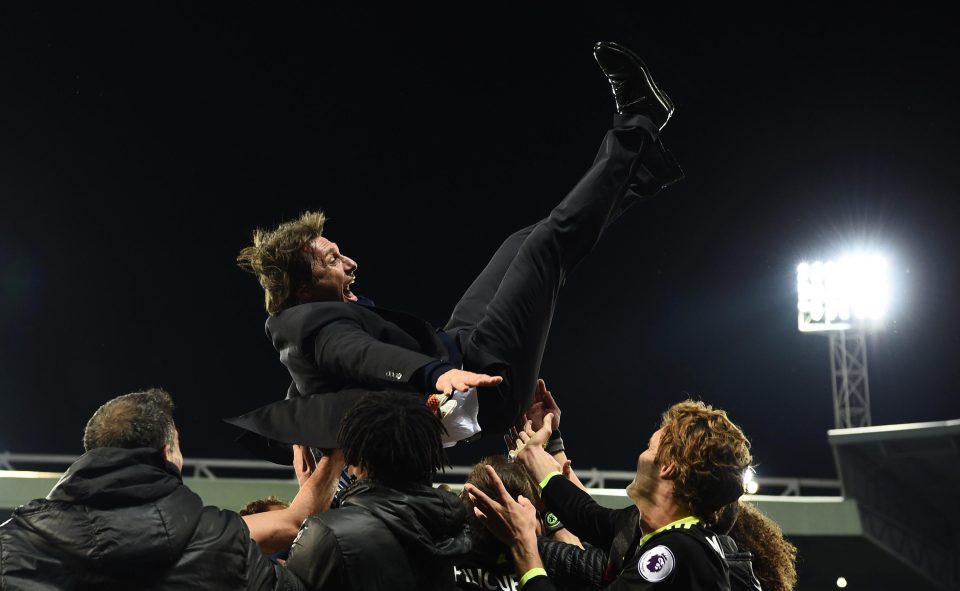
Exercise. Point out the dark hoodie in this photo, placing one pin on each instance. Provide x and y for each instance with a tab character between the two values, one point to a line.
382	537
123	519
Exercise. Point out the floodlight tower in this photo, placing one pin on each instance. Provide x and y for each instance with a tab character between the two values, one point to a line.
846	299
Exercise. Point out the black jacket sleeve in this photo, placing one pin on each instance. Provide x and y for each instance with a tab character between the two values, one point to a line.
540	584
568	562
316	559
287	581
581	514
345	349
262	572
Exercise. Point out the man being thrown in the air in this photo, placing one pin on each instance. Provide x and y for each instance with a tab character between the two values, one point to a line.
337	346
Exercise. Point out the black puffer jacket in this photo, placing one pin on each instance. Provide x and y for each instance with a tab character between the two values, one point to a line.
397	539
489	565
123	519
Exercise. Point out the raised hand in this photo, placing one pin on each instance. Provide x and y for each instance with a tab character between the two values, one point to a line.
461	380
511	521
543	404
533	456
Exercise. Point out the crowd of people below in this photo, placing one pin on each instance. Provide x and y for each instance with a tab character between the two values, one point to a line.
367	515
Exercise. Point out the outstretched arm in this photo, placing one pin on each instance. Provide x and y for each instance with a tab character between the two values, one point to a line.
458	379
344	348
575	508
275	530
545	404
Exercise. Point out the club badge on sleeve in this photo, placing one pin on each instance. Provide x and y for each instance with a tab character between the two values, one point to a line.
656	564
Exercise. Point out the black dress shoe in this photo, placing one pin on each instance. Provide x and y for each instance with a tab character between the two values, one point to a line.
633	87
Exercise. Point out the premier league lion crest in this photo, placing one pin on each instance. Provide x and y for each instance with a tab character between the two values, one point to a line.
656	564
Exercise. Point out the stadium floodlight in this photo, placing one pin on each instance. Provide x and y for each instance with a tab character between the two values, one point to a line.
848	293
750	484
845	298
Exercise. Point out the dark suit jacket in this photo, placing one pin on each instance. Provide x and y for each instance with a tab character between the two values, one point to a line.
336	352
332	346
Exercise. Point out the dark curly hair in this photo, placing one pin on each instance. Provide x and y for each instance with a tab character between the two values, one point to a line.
710	454
395	437
140	419
774	557
278	259
263	505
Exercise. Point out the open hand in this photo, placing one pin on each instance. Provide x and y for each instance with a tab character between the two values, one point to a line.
543	404
532	455
461	380
511	521
517	440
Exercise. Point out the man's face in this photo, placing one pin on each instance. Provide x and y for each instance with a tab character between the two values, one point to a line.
649	472
333	274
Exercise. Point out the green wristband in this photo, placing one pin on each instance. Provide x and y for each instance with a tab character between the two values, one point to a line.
533	572
546	479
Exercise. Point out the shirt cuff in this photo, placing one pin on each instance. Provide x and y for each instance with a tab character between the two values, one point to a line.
547	478
533	572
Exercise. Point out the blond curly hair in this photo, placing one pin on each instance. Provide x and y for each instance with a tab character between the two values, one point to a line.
710	454
279	259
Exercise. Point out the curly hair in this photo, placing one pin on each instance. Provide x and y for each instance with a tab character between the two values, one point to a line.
263	505
394	436
278	259
774	557
140	419
710	454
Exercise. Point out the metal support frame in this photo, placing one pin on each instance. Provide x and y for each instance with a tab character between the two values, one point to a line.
213	469
851	388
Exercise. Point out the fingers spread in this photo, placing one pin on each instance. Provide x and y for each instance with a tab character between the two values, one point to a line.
480	498
503	494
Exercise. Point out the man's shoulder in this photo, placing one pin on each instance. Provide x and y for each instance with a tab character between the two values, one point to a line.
689	557
302	320
348	520
300	312
223	520
328	534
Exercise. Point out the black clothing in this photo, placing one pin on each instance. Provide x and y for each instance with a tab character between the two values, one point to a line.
382	537
567	565
490	566
123	519
741	566
685	556
571	567
500	324
332	346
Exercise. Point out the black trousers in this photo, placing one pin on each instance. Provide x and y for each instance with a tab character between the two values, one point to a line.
502	321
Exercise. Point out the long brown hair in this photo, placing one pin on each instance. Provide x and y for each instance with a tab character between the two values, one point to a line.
278	259
774	557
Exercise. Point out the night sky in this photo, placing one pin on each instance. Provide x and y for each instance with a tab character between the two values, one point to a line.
140	147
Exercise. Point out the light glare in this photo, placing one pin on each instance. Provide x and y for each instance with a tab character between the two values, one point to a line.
750	484
838	294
